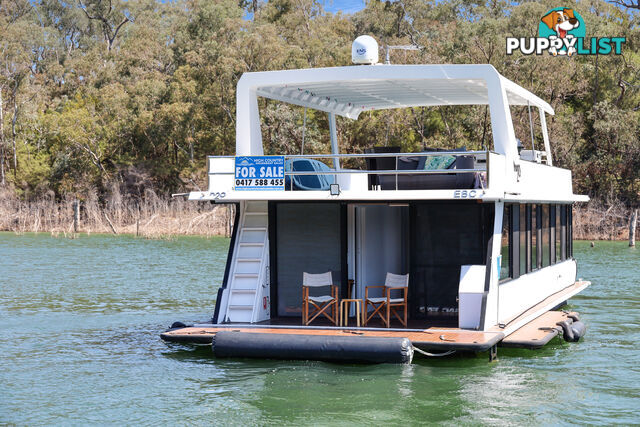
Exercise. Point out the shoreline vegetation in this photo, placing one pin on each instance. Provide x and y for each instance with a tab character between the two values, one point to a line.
118	104
163	217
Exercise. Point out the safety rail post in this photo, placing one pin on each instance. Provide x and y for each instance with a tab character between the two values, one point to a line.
396	171
487	167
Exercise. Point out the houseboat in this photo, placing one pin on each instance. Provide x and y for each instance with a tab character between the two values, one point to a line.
375	255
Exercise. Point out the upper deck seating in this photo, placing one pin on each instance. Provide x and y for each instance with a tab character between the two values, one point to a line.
440	181
307	182
379	163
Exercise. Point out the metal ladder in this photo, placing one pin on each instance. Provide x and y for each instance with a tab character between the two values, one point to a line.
249	266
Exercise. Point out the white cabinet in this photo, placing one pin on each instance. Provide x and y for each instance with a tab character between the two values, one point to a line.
470	292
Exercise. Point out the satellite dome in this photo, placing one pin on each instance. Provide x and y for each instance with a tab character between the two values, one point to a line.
364	50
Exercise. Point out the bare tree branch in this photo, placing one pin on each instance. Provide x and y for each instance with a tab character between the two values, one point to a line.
628	4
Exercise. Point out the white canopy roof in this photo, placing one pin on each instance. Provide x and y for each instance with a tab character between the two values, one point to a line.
348	91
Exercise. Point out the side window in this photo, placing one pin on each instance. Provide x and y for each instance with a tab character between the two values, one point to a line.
569	231
558	231
514	242
563	232
546	236
504	242
524	248
534	238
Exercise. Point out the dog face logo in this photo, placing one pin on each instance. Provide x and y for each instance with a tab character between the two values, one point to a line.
561	31
561	23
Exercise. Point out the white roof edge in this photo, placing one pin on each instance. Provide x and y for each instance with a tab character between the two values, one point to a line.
573	198
524	93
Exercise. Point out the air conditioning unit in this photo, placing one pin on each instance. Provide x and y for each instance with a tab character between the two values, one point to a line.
532	155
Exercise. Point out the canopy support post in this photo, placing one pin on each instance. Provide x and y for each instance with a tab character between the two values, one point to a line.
334	139
304	129
533	144
545	136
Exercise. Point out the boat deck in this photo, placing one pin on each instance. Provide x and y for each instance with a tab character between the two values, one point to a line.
532	329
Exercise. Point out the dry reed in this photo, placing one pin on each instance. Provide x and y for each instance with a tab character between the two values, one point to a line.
151	216
595	221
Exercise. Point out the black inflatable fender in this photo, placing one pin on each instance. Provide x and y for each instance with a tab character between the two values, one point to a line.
312	347
177	325
573	317
567	332
579	329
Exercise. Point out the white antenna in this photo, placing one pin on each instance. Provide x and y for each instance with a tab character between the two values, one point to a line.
388	49
364	50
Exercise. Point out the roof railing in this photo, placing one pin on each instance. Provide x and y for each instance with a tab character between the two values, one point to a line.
481	164
367	155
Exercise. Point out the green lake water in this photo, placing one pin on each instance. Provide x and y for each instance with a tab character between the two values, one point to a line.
80	344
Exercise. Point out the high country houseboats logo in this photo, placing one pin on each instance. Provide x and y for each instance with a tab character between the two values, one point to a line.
561	31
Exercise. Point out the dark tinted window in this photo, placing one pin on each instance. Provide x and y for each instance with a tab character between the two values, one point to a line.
563	232
546	236
558	229
569	231
523	239
534	237
504	243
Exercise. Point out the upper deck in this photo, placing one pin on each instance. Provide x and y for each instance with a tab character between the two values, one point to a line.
500	173
483	178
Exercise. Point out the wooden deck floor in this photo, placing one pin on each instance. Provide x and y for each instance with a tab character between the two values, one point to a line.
549	303
539	331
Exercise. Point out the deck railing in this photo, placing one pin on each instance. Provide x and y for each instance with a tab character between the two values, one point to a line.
481	164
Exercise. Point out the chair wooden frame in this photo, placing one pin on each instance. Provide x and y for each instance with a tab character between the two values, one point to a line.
319	308
386	304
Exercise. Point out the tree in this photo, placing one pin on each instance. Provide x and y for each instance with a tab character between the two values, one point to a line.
110	18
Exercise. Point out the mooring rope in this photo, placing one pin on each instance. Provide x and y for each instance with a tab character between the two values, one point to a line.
426	353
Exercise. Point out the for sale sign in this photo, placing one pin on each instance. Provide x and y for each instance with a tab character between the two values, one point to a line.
259	173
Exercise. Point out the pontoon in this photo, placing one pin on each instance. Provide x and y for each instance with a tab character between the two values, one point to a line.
484	237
